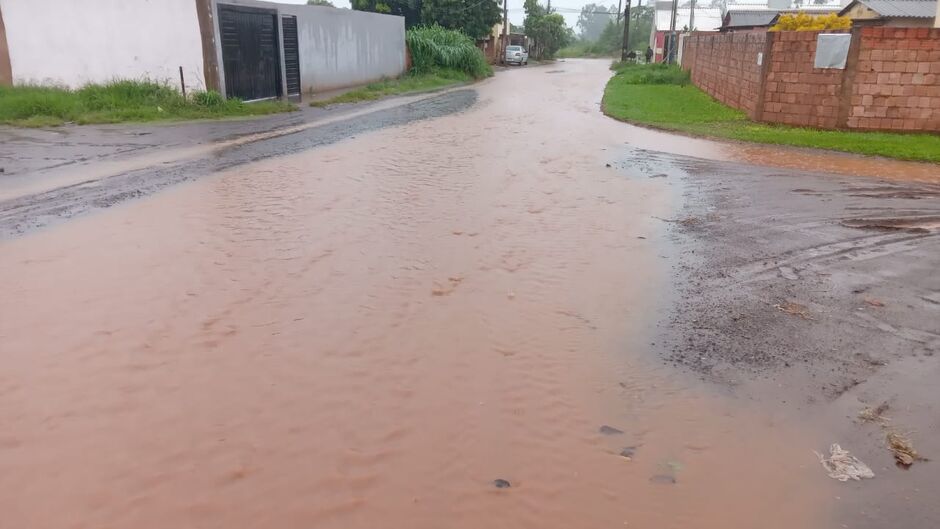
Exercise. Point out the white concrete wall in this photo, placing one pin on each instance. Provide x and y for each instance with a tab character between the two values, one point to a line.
75	42
341	47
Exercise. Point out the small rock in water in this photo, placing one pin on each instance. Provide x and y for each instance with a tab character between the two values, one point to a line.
664	479
501	483
628	452
609	430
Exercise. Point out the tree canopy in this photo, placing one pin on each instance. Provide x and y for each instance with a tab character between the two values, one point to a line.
546	29
593	19
409	9
476	18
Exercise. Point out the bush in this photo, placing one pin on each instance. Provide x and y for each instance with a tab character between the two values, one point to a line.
433	47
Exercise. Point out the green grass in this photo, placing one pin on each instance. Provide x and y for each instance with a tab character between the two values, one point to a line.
409	83
662	97
117	102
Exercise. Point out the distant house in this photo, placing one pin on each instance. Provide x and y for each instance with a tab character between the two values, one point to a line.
905	13
756	18
748	19
701	19
493	46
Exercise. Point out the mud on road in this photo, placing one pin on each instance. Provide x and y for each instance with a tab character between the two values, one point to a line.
22	214
818	291
385	331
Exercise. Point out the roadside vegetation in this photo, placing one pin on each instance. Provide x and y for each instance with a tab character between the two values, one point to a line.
662	96
409	83
433	48
439	57
119	101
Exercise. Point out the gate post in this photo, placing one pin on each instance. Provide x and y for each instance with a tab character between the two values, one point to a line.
766	59
848	79
6	68
210	58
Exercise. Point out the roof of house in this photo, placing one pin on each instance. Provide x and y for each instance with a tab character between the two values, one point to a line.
706	19
898	8
748	18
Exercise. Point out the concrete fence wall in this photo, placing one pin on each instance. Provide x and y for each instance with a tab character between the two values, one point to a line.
72	43
726	66
796	93
891	80
341	47
76	42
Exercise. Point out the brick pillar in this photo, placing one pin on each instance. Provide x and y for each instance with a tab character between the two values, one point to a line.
6	69
764	69
848	80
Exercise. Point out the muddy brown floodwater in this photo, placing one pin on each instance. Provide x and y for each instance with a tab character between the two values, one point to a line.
369	333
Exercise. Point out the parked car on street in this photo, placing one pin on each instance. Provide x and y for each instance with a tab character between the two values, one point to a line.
516	55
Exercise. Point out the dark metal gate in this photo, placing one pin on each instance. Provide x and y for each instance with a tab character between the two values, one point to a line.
250	52
291	55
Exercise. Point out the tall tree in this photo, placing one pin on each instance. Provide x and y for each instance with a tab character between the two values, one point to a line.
475	18
641	23
593	19
547	30
409	9
326	3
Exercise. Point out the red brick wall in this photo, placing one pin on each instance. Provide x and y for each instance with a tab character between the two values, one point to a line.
796	93
894	76
897	81
725	66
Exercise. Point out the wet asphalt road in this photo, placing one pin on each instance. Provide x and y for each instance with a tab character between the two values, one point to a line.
361	324
21	214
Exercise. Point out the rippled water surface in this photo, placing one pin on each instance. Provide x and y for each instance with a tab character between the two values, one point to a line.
367	334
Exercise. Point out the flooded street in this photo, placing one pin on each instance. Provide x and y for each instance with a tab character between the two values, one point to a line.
370	331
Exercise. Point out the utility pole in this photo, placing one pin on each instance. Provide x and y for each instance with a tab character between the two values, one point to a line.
549	9
671	39
502	48
692	17
619	9
626	32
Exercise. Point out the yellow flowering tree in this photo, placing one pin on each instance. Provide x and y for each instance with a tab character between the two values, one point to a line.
807	22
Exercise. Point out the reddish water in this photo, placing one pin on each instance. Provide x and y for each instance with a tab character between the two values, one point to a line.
368	334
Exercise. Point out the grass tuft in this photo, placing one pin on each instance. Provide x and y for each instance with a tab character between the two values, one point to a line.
661	96
408	83
119	101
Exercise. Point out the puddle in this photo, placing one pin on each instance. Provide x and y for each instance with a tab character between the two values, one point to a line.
914	224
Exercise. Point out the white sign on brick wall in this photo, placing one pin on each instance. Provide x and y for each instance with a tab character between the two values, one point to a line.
832	49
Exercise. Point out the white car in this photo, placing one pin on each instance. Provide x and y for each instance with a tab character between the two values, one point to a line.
516	55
